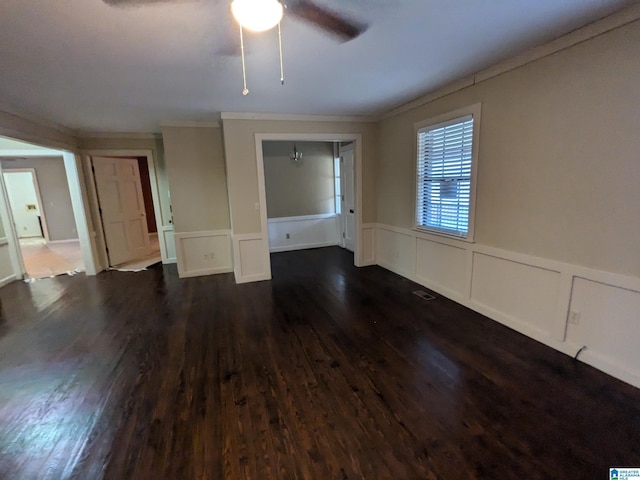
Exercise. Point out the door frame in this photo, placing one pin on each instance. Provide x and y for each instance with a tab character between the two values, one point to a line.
356	138
75	182
11	236
92	194
343	218
36	186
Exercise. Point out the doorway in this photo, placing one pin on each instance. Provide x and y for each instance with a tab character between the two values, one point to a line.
348	221
302	194
127	211
356	140
41	212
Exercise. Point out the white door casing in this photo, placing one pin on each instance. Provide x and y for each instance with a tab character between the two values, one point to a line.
123	214
260	239
348	197
76	188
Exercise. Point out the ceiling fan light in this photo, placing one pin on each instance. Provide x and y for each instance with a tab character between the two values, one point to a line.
257	15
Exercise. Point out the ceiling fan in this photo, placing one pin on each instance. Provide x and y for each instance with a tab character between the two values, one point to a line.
327	20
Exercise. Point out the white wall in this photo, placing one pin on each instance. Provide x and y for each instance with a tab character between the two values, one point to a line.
22	194
54	193
556	225
307	231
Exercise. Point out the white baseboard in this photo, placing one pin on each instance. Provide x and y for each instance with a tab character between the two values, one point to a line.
68	240
7	280
304	246
205	271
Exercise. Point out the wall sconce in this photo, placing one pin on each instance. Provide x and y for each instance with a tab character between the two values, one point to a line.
295	156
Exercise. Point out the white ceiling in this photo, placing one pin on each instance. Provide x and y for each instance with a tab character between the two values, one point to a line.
92	67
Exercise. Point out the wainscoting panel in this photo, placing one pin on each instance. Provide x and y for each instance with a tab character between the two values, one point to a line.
251	258
536	296
441	266
396	251
309	231
368	234
203	253
169	255
606	319
525	293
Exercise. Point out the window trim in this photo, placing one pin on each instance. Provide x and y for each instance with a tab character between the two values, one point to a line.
440	120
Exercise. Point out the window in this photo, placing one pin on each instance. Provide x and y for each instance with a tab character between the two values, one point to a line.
445	175
337	186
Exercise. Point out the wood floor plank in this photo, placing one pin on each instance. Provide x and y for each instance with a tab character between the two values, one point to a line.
326	372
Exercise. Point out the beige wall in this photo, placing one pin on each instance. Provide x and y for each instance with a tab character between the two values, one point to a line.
196	172
303	189
153	144
240	150
54	193
558	159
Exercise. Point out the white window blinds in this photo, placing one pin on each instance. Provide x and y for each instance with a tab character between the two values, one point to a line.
444	167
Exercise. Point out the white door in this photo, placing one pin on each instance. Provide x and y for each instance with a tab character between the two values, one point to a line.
348	197
122	208
24	203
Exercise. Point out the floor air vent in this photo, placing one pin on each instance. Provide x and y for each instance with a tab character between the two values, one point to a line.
424	295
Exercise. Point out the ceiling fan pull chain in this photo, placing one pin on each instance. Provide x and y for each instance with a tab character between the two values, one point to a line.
280	45
245	90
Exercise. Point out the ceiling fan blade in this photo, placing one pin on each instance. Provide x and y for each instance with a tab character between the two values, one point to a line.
326	19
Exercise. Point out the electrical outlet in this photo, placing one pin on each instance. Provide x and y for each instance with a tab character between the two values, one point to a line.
287	236
209	256
574	317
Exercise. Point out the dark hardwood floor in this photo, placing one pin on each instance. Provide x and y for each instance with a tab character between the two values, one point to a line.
325	372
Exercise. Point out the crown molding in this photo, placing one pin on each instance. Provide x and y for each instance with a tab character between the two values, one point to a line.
448	89
297	118
580	35
37	120
120	135
187	124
